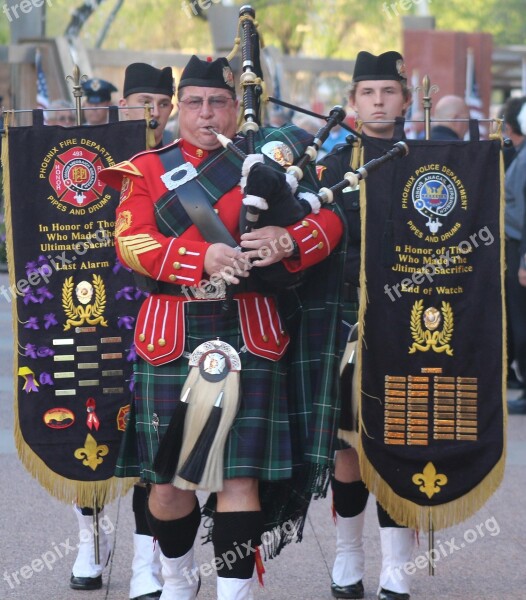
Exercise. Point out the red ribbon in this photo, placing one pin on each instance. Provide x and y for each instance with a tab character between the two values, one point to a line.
93	420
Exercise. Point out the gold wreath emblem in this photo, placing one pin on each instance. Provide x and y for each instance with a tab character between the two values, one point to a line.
92	313
432	338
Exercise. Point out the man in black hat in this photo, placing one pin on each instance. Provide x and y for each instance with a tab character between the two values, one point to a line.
147	85
378	95
97	94
159	236
143	84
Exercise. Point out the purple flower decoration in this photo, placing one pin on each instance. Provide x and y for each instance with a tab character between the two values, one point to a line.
31	350
117	267
29	297
132	382
42	260
50	320
44	294
125	322
125	292
46	379
31	267
44	351
32	323
132	355
139	293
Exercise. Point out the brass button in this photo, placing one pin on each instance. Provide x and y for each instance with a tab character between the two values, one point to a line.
199	153
182	251
161	342
142	337
315	233
150	347
320	245
172	277
305	223
177	265
265	338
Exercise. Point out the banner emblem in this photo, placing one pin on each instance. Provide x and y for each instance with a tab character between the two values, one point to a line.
73	176
432	339
92	314
434	195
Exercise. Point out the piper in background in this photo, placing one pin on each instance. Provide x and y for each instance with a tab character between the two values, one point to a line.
378	94
142	84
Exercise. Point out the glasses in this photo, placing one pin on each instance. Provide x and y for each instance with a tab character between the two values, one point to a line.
214	102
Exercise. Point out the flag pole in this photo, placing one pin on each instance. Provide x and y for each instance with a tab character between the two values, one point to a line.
77	80
427	90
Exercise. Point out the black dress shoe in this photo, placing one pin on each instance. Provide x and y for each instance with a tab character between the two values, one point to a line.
85	583
517	407
150	596
353	591
389	595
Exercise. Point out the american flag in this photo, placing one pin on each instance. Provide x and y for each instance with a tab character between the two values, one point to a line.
42	91
472	95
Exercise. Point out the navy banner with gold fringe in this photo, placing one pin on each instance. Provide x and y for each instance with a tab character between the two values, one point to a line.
74	305
432	345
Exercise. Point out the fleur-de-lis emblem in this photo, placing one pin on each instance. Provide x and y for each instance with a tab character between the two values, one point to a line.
431	480
91	453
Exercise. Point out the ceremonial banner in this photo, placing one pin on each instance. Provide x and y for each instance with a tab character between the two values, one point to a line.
74	305
432	434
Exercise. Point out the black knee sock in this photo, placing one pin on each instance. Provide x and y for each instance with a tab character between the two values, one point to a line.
139	502
349	499
384	519
87	511
235	537
175	537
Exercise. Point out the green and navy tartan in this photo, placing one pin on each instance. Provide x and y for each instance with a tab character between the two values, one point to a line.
258	445
285	432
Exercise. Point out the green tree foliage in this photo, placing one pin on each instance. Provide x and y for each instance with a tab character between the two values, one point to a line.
326	28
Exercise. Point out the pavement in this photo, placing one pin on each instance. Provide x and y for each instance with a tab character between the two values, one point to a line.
480	559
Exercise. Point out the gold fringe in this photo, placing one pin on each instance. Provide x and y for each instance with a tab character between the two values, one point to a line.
413	515
84	493
404	511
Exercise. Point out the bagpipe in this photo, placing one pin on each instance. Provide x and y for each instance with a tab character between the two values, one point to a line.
273	195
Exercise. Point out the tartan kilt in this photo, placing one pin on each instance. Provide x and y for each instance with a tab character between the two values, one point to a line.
259	443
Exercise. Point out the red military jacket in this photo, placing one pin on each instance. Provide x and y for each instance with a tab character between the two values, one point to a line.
140	245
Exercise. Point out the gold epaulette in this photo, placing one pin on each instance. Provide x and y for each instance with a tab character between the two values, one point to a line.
113	176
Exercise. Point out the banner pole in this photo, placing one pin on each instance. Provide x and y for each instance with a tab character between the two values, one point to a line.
427	90
77	80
